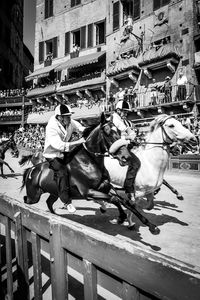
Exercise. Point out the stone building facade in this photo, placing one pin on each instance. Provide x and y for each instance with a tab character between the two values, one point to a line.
11	40
88	49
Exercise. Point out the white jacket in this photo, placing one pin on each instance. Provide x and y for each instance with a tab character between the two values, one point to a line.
124	126
57	138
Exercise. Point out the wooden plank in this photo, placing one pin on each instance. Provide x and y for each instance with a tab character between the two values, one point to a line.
90	280
9	259
37	267
58	260
21	255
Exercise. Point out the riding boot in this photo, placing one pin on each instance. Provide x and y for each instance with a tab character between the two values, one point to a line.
133	167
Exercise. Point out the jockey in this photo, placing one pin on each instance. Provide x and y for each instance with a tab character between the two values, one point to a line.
119	119
57	141
119	149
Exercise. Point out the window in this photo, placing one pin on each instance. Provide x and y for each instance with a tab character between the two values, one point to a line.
159	3
75	2
100	33
131	8
116	15
77	38
52	47
136	9
48	8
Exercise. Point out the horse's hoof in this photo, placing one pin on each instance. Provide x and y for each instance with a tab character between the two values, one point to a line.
102	210
131	227
154	229
179	197
121	220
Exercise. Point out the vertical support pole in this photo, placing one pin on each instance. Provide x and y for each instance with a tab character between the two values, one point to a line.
23	110
37	266
90	280
9	259
22	258
58	264
129	292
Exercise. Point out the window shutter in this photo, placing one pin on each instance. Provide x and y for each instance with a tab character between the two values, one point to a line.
41	52
46	9
73	3
156	4
55	47
67	43
50	8
136	9
83	37
116	15
90	35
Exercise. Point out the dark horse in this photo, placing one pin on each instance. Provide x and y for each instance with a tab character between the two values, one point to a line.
86	166
4	146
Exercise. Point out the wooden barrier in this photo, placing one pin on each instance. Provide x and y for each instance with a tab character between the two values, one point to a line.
185	163
70	258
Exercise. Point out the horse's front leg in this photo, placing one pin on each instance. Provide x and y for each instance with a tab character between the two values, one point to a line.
3	176
178	195
2	162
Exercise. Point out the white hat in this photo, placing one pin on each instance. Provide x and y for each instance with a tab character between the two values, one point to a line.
123	105
63	110
118	144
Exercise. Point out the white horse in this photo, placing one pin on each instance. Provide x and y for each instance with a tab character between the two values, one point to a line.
154	156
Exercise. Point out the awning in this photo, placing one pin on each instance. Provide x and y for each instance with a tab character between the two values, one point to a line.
122	65
79	113
38	92
154	54
81	61
43	72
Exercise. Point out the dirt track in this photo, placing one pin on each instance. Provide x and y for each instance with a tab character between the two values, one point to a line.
179	221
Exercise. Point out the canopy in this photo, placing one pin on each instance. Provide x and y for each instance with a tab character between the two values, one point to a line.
81	61
154	54
43	72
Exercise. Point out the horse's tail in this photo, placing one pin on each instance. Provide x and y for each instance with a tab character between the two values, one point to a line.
25	159
25	175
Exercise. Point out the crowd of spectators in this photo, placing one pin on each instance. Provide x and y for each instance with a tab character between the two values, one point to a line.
10	112
31	137
13	92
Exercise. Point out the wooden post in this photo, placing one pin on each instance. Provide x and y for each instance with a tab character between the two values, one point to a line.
9	259
90	280
37	267
58	264
22	258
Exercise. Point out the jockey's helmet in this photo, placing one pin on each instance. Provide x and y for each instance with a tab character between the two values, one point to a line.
123	105
63	110
117	145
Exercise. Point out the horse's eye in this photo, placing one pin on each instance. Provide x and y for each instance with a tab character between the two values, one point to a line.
171	126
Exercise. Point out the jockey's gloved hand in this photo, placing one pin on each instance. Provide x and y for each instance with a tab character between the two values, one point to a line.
133	144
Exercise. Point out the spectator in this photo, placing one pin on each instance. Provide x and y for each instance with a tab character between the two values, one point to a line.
181	87
154	92
167	90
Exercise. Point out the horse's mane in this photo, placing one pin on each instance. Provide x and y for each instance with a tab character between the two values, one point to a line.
157	122
88	130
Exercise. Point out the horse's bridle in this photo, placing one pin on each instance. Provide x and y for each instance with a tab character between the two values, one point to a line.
164	143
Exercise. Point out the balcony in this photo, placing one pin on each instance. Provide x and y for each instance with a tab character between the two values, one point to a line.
145	98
